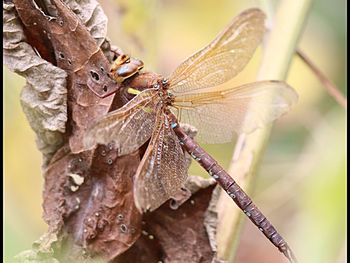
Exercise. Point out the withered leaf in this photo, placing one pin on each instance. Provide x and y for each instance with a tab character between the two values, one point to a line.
174	236
87	70
90	13
44	97
88	196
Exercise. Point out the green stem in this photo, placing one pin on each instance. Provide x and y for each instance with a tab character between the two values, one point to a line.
278	51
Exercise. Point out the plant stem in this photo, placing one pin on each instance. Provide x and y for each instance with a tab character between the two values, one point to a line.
278	51
331	88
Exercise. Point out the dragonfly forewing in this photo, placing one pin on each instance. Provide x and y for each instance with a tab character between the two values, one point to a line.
162	171
223	58
218	114
128	127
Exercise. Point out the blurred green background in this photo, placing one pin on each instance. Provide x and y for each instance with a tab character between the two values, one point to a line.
301	183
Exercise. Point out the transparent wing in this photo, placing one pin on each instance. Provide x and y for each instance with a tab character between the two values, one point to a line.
223	58
128	127
241	109
162	171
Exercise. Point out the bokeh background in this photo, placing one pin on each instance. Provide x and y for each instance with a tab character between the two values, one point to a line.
301	180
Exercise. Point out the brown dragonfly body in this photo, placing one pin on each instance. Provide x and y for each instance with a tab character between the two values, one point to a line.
217	113
227	183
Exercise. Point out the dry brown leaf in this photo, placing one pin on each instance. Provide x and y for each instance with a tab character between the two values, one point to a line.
44	98
87	71
88	198
176	235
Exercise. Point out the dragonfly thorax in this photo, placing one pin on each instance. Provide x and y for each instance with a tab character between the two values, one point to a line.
169	100
162	86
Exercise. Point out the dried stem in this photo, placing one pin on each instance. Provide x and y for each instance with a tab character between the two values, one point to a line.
278	50
331	88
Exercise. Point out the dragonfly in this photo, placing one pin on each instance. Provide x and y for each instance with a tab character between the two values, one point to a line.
193	94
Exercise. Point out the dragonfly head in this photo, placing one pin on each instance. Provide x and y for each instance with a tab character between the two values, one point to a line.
124	67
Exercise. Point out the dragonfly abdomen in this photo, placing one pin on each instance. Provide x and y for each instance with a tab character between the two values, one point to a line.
242	200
